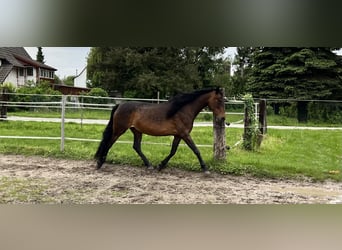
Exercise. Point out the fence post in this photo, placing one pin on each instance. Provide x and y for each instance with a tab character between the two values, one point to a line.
63	103
219	137
81	105
246	128
3	108
262	117
249	131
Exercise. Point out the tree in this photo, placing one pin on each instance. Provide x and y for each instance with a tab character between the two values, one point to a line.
57	80
222	77
300	73
40	55
243	63
145	71
208	63
68	80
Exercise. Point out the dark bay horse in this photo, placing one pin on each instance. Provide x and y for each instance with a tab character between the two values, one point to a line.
175	117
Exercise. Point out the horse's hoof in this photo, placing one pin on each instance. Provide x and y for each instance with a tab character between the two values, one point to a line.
206	173
150	168
98	165
160	168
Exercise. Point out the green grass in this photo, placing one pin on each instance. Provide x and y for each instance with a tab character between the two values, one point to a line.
70	113
104	115
21	190
283	153
293	154
282	120
96	114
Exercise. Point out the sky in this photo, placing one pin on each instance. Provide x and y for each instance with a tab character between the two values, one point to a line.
69	60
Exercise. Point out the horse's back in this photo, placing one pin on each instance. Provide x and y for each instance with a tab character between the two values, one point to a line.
128	108
145	117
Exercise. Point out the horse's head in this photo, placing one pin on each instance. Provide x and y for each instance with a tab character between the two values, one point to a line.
216	104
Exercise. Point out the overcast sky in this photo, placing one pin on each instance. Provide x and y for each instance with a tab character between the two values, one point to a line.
69	60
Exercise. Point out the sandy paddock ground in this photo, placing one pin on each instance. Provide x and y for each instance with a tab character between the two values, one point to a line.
77	182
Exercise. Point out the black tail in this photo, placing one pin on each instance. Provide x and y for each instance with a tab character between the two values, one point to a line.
106	137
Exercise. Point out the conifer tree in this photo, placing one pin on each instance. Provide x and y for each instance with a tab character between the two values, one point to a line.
297	73
40	55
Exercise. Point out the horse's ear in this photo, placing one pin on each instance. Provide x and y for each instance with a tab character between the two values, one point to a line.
219	90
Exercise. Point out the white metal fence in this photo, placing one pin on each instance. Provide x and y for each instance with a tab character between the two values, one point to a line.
66	102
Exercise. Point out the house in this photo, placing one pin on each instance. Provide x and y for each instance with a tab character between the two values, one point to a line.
80	85
17	67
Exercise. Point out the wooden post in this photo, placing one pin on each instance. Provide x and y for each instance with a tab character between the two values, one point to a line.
3	107
219	137
262	117
249	123
246	128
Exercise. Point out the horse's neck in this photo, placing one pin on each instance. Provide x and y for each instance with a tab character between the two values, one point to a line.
199	104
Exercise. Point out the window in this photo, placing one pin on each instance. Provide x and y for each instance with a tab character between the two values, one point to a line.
44	73
21	72
29	71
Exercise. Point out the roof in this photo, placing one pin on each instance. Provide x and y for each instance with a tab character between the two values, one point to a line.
5	69
29	62
18	56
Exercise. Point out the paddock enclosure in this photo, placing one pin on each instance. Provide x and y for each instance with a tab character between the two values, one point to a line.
79	108
28	179
32	179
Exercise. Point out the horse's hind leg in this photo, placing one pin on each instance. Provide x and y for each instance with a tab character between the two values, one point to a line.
137	147
107	142
105	149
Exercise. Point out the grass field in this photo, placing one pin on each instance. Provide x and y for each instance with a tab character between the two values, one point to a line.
93	114
283	154
104	115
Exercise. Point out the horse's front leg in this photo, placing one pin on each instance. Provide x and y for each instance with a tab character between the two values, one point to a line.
175	144
137	147
188	140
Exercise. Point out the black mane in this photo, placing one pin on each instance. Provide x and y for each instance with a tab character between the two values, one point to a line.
180	100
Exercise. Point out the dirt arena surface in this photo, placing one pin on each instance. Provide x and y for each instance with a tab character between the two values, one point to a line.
48	180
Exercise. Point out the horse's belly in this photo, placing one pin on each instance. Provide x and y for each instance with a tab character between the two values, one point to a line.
155	128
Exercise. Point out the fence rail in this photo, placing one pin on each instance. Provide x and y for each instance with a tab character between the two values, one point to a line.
77	102
72	102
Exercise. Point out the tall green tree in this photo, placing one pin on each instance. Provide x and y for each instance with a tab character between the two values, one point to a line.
222	77
144	71
208	63
40	55
243	63
300	73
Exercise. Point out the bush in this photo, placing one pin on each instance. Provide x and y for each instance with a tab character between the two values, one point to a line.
36	93
325	112
9	87
97	92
